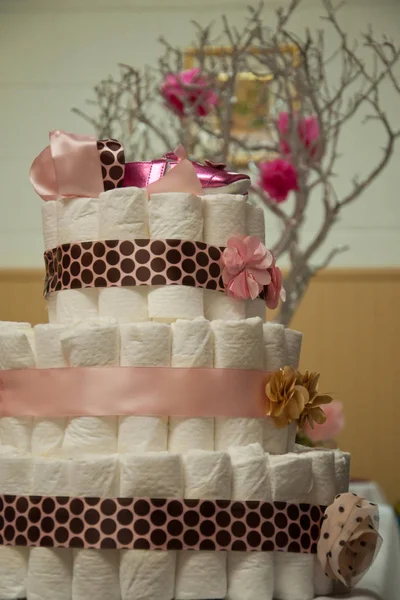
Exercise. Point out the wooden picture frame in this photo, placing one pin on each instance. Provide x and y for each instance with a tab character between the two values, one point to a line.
253	94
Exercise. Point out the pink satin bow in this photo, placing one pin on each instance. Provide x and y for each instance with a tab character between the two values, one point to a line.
67	168
80	166
245	267
349	540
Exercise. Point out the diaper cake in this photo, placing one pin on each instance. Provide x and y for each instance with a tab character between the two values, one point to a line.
147	432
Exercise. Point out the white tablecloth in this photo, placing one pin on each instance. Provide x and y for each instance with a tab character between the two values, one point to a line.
382	581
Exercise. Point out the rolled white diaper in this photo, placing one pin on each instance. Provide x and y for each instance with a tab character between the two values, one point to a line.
125	304
75	305
292	480
16	474
144	345
171	302
208	476
94	343
192	346
51	307
124	216
255	222
255	226
324	476
47	345
144	574
16	471
291	477
275	354
175	216
50	569
342	469
224	217
275	439
95	572
16	352
293	340
324	491
48	434
238	345
250	574
77	220
49	224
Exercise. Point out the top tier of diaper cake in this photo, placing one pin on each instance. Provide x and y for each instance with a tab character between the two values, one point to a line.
181	246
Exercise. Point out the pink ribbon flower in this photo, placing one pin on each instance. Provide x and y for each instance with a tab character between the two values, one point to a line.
275	291
245	263
278	177
332	427
188	90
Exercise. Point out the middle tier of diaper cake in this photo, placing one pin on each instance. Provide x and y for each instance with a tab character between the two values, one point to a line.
109	308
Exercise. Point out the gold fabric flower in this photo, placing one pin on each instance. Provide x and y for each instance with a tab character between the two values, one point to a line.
312	411
286	397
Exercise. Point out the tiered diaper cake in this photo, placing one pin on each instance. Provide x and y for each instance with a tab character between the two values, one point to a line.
136	461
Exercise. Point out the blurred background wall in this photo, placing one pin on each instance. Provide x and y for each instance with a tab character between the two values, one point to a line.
53	52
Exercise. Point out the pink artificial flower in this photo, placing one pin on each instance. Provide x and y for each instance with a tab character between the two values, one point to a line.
245	263
308	131
275	291
278	178
283	126
331	428
187	90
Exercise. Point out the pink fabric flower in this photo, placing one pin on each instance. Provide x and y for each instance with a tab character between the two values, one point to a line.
187	90
275	291
278	177
245	263
331	428
308	132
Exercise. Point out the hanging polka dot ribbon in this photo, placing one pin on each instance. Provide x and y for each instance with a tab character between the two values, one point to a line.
349	539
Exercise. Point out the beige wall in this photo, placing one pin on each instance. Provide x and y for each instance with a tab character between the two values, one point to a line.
52	52
351	326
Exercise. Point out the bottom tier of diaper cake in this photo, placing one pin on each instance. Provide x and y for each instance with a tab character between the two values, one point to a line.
240	524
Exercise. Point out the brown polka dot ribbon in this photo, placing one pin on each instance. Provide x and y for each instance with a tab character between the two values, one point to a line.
159	524
117	263
112	159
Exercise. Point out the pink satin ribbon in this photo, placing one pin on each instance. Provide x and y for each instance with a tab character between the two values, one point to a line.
67	168
158	391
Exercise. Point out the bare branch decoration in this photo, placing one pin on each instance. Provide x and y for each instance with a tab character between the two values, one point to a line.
294	72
